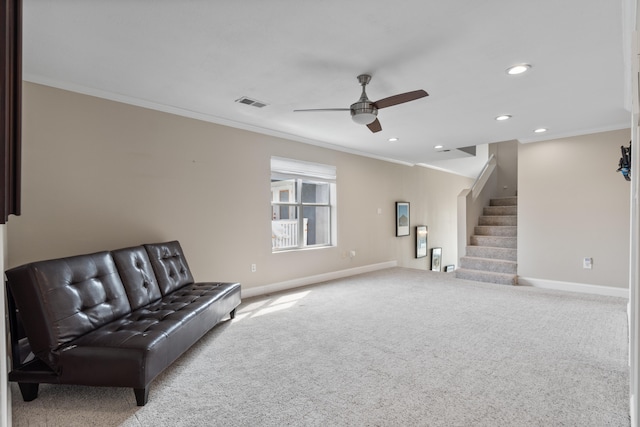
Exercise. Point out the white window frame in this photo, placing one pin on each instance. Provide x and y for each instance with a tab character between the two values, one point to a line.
298	172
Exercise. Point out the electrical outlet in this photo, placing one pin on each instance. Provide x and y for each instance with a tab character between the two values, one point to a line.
587	263
253	268
352	254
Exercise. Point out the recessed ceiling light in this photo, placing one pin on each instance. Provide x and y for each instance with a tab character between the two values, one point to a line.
540	130
437	147
503	117
394	139
518	69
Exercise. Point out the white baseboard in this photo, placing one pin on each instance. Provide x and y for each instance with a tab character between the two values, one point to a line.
574	287
310	280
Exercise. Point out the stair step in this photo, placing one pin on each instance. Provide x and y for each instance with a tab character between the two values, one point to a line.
489	264
498	220
495	241
492	254
496	230
504	201
487	276
500	210
509	254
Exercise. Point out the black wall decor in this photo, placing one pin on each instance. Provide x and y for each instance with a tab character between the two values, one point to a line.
624	166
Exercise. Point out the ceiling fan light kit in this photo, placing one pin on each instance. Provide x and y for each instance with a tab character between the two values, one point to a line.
365	111
363	118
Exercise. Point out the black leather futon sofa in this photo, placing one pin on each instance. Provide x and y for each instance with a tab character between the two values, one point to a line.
115	318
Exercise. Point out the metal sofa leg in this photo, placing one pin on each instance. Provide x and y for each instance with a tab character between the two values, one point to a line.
29	391
142	395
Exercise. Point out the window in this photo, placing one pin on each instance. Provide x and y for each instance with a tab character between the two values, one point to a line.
302	204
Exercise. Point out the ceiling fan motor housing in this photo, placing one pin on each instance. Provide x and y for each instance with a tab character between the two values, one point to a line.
363	112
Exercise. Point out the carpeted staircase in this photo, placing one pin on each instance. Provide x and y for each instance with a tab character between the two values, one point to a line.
492	255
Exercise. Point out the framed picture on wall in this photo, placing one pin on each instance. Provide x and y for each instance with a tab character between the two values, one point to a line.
436	259
421	241
402	219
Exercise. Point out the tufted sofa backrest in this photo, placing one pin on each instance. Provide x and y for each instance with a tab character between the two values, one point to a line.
137	276
170	265
65	298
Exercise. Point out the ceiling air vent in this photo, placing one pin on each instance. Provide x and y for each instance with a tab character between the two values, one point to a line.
252	102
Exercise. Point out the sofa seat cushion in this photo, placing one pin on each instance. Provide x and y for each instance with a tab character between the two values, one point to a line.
132	350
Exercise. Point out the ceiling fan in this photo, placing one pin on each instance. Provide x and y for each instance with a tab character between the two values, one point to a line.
365	112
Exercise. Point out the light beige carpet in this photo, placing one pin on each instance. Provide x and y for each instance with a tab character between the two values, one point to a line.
397	347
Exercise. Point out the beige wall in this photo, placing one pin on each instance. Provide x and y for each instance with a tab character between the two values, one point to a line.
573	204
102	175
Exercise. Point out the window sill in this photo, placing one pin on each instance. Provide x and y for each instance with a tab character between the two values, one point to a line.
310	248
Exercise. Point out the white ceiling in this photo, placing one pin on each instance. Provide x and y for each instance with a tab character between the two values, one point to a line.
196	57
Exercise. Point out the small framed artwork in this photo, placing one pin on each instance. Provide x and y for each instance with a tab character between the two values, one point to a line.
436	259
421	241
402	219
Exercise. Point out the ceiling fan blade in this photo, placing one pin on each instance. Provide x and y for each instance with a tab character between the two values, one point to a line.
375	126
401	98
323	109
